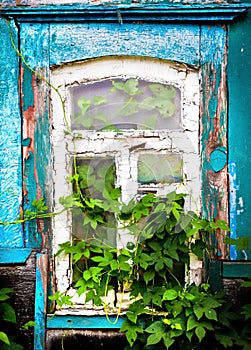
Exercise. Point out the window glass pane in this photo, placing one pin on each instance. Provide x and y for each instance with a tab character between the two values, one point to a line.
95	181
125	104
160	168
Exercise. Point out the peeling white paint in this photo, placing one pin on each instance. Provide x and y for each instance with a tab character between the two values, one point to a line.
184	141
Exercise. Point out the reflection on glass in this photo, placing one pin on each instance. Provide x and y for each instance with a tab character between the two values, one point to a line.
159	168
125	104
95	181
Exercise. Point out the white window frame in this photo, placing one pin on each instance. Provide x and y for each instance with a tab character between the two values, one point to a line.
184	140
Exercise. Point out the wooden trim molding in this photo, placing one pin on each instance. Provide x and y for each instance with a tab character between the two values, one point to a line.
127	13
14	256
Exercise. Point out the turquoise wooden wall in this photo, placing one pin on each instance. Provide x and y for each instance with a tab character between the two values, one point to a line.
239	136
45	42
200	37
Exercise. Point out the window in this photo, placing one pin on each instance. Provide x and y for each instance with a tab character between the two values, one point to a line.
133	121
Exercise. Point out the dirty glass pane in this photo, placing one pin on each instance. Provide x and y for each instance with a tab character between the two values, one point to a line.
125	104
95	181
159	168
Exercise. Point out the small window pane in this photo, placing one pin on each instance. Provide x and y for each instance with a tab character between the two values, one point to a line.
125	104
96	180
159	168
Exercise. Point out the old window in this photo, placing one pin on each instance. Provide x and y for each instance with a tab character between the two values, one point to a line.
130	123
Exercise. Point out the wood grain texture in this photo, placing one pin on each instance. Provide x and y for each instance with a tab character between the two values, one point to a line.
59	2
81	41
10	140
214	131
34	41
40	301
239	68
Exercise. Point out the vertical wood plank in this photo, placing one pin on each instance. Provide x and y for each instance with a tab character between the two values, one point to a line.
239	68
214	131
40	301
34	41
10	139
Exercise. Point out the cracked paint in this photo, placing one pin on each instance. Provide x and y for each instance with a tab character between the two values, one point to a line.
182	141
214	136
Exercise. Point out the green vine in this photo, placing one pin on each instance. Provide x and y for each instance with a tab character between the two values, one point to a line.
165	309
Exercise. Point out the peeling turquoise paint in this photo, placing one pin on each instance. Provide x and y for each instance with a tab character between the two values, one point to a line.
218	158
239	68
82	41
34	41
214	129
10	140
40	301
14	256
45	45
233	188
27	93
84	322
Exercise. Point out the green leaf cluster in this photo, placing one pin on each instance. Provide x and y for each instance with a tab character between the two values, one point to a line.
8	322
164	311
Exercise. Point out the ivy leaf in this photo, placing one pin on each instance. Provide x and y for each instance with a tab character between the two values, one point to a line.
211	314
211	303
4	293
130	107
131	331
191	323
168	341
170	294
8	313
131	87
159	265
246	311
154	338
114	264
156	327
200	332
151	122
99	100
4	338
147	103
225	340
198	310
149	275
28	325
240	242
87	275
84	104
198	248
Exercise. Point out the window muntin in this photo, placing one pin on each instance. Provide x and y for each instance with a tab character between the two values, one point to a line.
127	146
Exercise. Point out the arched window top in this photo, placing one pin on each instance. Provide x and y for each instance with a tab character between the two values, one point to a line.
115	91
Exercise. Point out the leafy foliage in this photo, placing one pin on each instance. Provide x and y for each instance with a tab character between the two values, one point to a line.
8	322
164	311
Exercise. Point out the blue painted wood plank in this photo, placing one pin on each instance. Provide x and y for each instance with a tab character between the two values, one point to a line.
239	68
14	256
214	131
40	301
80	41
34	42
10	140
83	322
233	188
236	269
166	12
